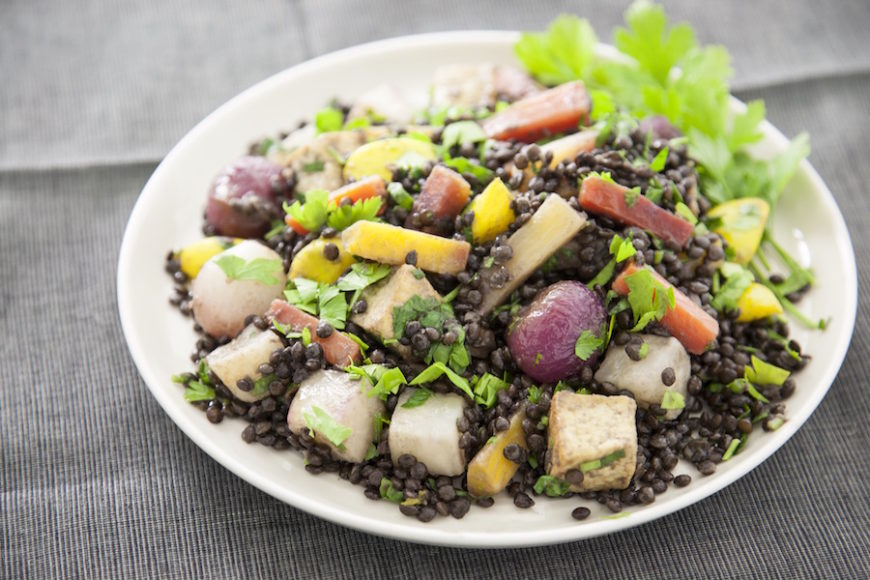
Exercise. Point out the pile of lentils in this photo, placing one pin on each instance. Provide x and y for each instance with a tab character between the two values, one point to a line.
713	417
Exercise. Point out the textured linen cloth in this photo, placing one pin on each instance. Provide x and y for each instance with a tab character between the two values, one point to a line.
96	481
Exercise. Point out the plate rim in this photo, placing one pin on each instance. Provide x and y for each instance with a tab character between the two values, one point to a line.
421	533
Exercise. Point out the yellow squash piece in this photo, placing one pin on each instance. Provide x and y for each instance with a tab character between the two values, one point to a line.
743	222
378	157
492	212
192	257
311	263
489	472
390	244
757	302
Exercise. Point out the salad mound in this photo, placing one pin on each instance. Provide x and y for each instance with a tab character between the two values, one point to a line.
555	280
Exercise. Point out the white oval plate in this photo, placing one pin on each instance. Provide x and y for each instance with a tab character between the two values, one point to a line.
168	215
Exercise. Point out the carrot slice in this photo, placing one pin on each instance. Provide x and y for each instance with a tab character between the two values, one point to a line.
338	348
540	115
365	188
686	321
445	193
603	197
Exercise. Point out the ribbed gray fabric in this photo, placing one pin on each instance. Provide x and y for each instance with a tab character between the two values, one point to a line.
97	482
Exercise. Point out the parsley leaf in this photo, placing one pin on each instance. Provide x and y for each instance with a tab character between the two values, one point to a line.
603	276
196	391
535	394
343	216
672	400
419	397
315	166
737	281
463	165
764	373
658	162
388	492
564	53
400	197
388	383
603	461
318	299
649	299
260	270
622	248
462	133
311	214
486	390
435	371
551	486
587	344
328	119
320	421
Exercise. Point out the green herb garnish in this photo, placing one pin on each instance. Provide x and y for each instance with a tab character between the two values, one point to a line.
419	397
321	422
260	270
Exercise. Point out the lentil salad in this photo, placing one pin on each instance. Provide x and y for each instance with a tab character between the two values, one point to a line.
736	382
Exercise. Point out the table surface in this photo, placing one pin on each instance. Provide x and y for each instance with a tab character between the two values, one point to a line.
96	481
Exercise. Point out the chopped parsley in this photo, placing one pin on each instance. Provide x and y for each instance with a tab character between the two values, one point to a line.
400	197
684	212
318	299
315	166
622	248
658	162
603	461
551	486
631	196
649	299
196	391
643	350
318	210
382	381
388	492
737	280
343	216
328	119
436	370
672	401
419	397
462	133
486	390
588	343
321	422
535	394
763	373
260	270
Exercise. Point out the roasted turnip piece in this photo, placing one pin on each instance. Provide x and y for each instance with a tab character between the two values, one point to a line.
390	293
543	114
241	357
221	303
490	471
385	101
337	403
242	199
595	435
429	432
542	340
602	197
686	321
338	349
553	224
649	378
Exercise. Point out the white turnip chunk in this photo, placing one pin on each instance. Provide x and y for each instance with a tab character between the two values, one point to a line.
429	432
240	358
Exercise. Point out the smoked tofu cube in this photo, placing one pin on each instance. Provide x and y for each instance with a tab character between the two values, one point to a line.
346	403
240	358
391	292
596	435
645	378
429	432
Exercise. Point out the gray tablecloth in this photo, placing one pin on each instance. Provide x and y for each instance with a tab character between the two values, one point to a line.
96	481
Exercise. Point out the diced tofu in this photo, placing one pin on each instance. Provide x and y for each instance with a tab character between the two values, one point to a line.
346	402
490	471
240	358
429	432
387	294
553	224
644	377
390	244
338	349
596	435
